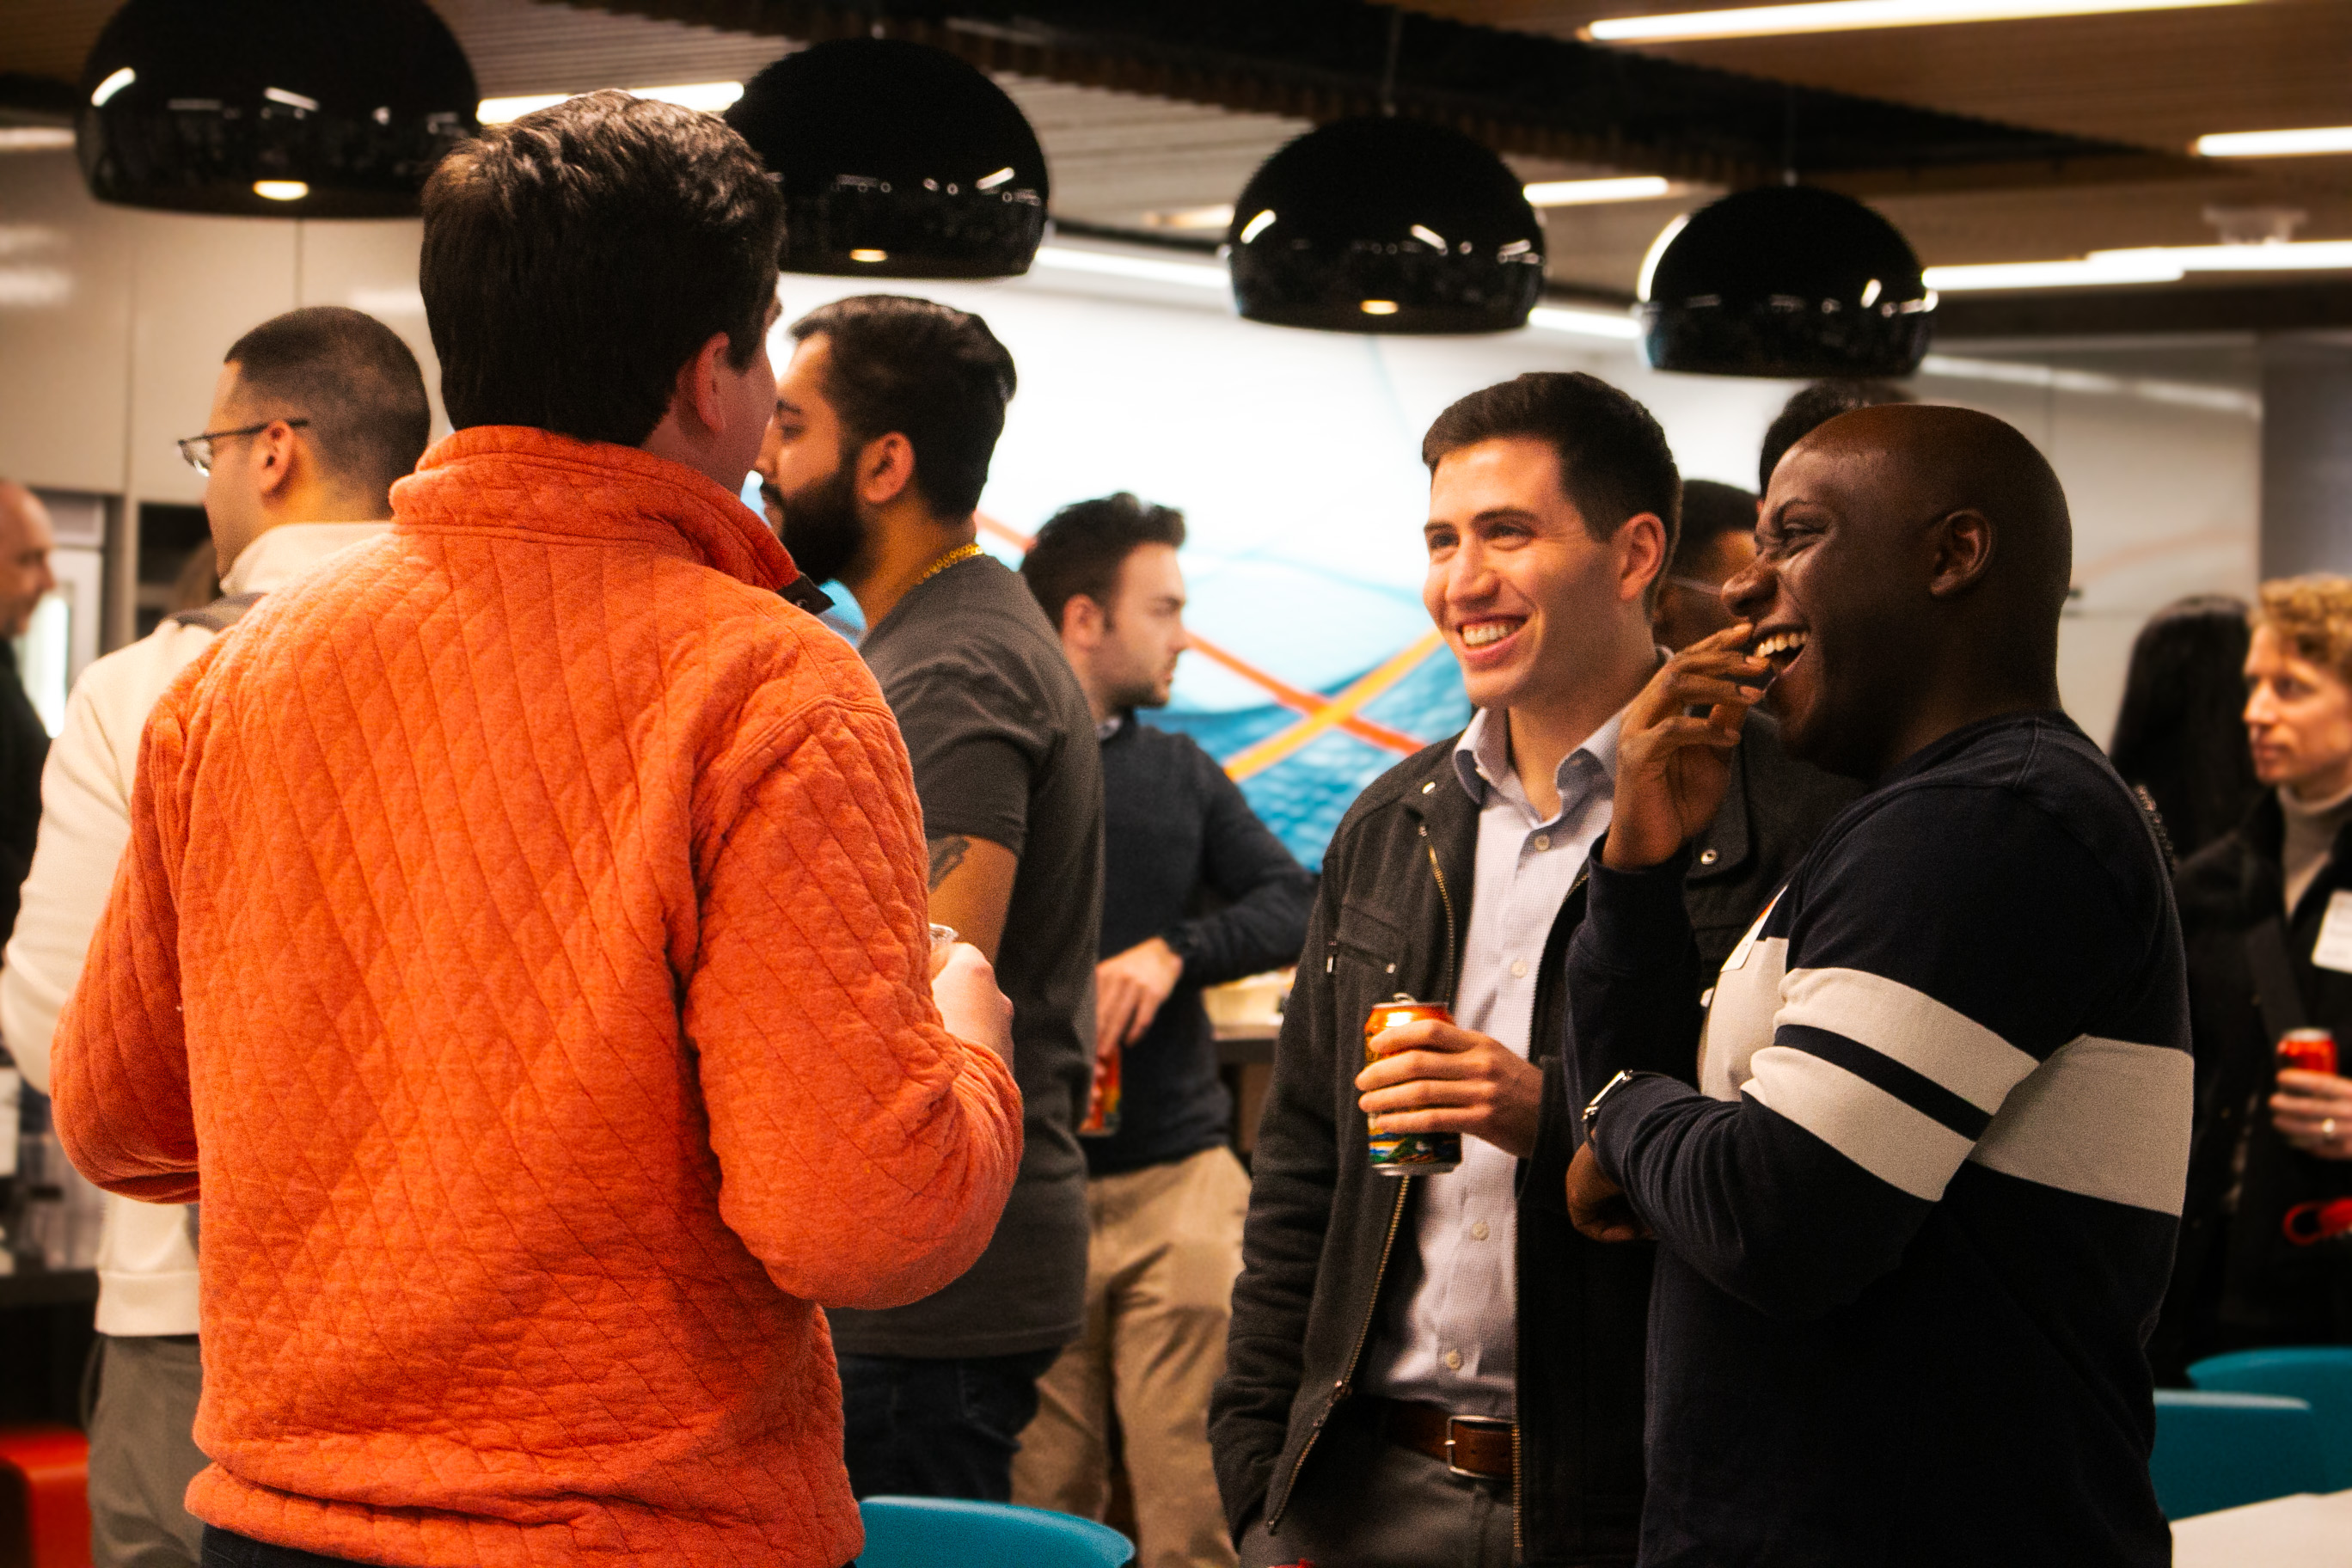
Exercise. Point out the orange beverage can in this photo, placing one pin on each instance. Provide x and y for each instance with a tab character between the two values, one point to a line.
2307	1050
1408	1153
1102	1105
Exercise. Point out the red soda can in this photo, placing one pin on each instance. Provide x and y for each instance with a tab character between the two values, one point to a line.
2307	1050
1408	1153
1102	1105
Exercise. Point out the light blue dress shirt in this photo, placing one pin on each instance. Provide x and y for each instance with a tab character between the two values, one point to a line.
1452	1341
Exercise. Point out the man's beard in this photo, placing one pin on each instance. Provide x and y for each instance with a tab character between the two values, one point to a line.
819	525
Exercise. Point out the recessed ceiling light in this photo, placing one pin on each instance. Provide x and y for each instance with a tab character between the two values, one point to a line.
869	255
1845	16
1581	192
1379	307
280	190
2276	143
710	96
1220	216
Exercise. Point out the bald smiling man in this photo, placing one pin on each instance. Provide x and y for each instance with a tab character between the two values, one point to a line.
1915	1219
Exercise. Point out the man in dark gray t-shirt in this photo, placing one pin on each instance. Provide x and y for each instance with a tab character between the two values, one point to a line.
886	418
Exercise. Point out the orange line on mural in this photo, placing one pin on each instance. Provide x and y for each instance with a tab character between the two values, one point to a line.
1299	700
1335	713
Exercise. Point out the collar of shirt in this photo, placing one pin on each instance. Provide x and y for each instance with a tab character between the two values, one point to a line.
1482	762
279	555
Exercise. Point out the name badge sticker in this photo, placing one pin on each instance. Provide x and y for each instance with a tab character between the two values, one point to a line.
2334	949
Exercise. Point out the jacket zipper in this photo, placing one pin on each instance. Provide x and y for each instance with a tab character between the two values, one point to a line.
1347	1373
1388	1244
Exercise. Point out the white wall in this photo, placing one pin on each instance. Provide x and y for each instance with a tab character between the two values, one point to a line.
1294	454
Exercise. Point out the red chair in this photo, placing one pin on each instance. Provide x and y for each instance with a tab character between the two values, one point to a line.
44	1498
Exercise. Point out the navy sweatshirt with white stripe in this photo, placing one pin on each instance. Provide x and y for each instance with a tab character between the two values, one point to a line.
1916	1221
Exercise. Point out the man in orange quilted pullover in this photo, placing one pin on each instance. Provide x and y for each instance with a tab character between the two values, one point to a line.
522	946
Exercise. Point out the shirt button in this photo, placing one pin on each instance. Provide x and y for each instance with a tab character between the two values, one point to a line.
1518	969
1453	1361
1543	840
1478	1231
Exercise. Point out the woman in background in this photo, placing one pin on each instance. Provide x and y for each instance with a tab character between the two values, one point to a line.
2181	736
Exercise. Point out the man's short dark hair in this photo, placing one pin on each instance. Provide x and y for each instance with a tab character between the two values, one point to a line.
356	383
1810	407
922	370
1082	547
1614	463
577	259
1711	511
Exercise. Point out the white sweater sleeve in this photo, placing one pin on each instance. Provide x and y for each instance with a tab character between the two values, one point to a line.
85	822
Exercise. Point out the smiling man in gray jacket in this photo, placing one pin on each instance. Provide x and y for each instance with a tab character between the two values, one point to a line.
1381	1403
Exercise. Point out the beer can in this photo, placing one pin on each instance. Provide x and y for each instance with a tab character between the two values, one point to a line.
1102	1104
2307	1050
1408	1153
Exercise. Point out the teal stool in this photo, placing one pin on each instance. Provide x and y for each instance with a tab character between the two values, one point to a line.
2321	1375
2221	1450
945	1532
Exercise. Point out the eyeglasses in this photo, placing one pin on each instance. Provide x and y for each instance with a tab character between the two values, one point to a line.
197	450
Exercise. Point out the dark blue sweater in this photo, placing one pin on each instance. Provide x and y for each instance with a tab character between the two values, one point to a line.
1177	836
1912	1241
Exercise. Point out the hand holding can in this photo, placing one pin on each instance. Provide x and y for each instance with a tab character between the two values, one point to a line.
1408	1153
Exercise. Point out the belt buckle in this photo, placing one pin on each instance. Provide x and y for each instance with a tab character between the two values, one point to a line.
1479	1423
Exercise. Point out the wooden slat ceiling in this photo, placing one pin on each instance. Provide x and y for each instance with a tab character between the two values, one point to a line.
2153	80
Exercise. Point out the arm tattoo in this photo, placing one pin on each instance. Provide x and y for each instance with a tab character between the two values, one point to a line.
947	854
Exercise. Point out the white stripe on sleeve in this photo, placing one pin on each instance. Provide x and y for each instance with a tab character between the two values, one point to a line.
1910	1027
2105	1118
1901	1147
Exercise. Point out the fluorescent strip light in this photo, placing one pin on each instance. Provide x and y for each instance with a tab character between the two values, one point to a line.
2080	273
710	96
1845	16
1584	323
1584	192
35	138
2275	143
1150	269
2148	264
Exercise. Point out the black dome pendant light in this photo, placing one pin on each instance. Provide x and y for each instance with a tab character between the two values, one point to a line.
1380	224
897	160
274	108
1785	281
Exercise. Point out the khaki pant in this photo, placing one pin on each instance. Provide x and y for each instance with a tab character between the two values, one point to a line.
1166	1246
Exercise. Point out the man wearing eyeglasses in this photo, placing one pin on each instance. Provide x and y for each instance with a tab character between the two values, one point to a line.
314	416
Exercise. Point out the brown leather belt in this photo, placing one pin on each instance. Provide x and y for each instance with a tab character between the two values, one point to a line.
1478	1446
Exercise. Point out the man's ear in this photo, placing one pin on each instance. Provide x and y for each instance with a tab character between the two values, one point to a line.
1962	549
885	467
696	397
274	457
1082	621
1641	544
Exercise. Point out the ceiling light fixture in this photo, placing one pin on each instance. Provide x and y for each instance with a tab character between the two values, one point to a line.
2146	264
1586	193
2304	144
1584	323
1785	281
1384	211
1848	15
35	138
710	96
886	145
346	108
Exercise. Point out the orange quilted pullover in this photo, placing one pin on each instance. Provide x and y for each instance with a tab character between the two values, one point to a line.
521	952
